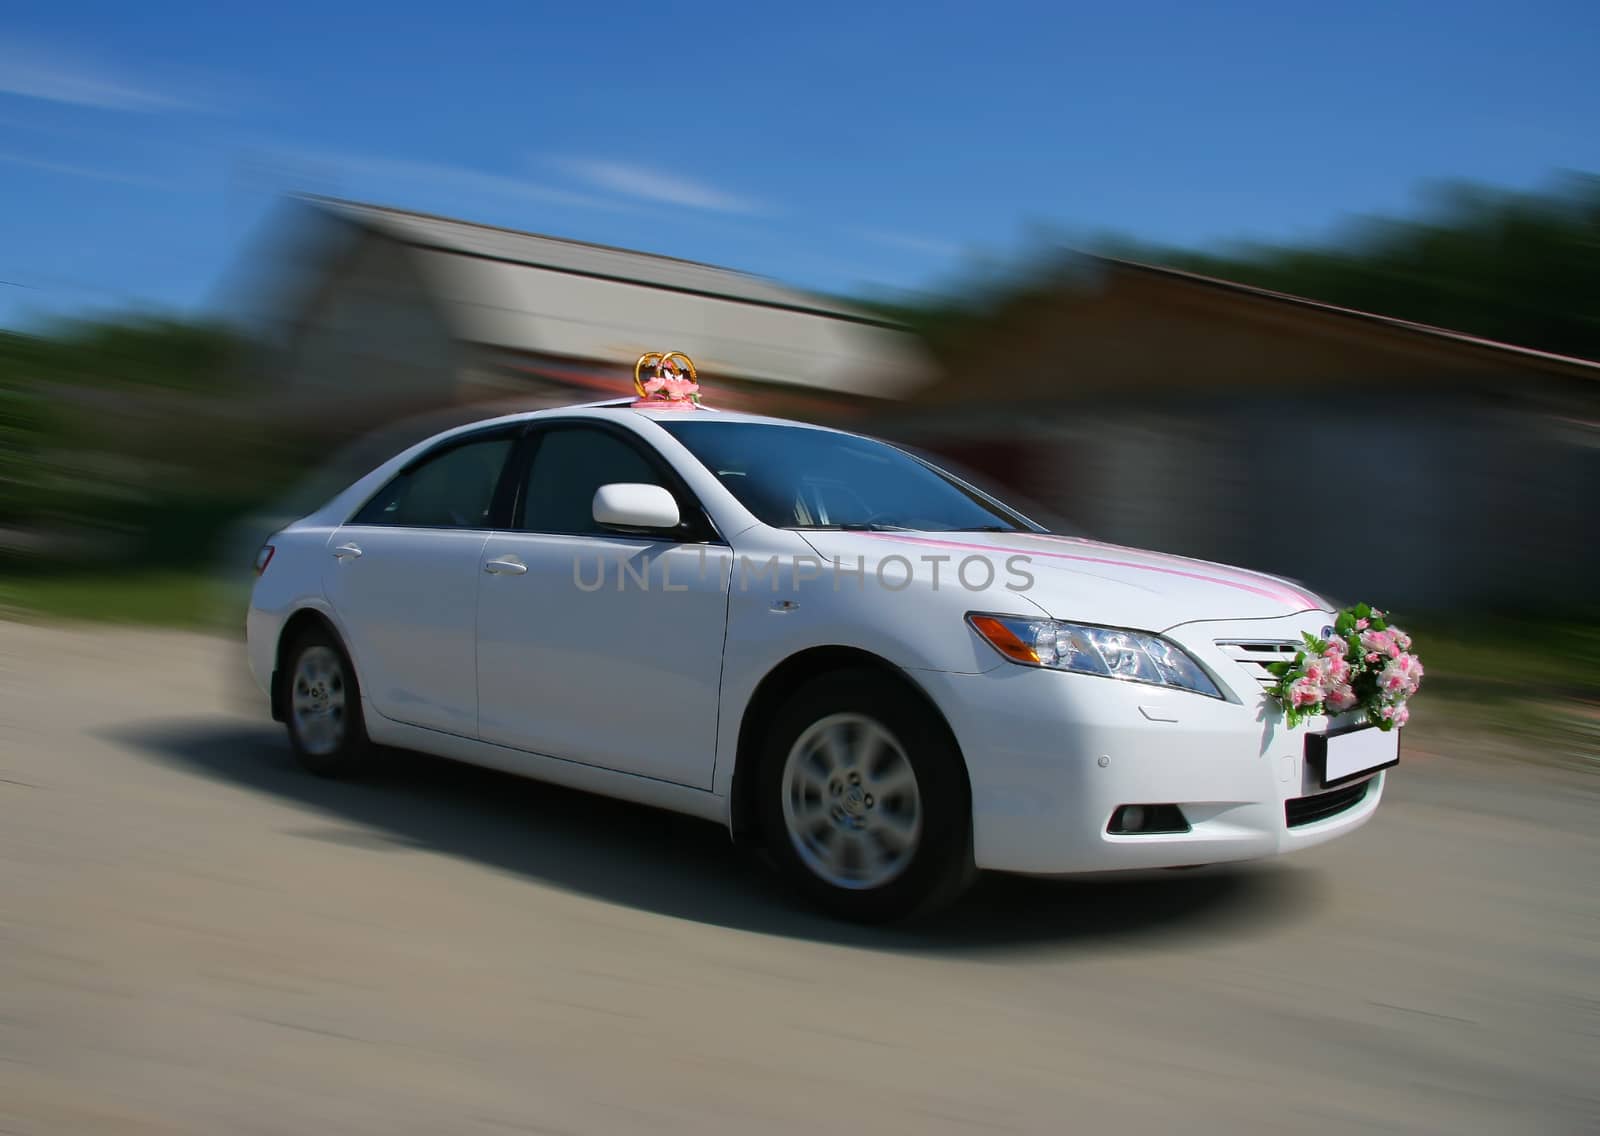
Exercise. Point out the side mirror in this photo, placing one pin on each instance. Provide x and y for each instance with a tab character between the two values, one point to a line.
635	508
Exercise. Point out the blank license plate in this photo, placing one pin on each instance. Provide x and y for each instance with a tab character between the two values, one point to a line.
1352	753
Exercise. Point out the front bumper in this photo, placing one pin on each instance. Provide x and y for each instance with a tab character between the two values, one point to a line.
1052	756
262	629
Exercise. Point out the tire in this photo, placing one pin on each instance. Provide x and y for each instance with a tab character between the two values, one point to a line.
863	799
322	706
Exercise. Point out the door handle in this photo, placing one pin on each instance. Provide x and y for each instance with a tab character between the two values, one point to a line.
506	567
347	552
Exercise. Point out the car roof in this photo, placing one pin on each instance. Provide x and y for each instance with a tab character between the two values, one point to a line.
625	407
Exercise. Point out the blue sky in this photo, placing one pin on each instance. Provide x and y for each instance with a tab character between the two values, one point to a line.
841	147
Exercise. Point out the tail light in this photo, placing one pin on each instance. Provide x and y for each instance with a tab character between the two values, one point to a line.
263	558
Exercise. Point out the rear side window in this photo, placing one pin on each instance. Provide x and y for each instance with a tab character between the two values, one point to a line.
569	464
453	489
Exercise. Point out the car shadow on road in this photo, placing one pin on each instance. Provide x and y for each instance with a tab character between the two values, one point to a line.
686	868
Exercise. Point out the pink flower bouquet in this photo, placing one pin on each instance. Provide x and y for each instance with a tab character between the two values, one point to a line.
673	385
1365	665
673	382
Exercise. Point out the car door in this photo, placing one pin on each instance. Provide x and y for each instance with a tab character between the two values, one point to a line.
402	575
596	646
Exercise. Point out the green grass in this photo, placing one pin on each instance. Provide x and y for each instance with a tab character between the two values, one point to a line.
1534	680
1543	657
1492	656
1514	687
153	597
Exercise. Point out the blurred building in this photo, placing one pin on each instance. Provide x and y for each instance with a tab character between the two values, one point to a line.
1368	456
381	314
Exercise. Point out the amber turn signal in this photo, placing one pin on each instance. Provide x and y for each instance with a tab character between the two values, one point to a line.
1003	639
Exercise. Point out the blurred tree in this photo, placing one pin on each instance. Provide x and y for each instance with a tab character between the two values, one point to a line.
101	418
1523	268
130	352
24	424
30	427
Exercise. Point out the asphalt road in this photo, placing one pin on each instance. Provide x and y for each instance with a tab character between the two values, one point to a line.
195	937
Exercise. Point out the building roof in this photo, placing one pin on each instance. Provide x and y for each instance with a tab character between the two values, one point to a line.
555	297
1529	356
581	258
1121	330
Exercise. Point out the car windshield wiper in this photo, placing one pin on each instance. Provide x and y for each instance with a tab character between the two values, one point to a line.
853	526
986	528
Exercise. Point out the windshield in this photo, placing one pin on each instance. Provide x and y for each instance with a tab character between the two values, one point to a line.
798	478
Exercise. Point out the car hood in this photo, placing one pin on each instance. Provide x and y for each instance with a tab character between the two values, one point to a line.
1073	578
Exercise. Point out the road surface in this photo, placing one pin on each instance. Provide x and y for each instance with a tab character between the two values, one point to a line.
195	937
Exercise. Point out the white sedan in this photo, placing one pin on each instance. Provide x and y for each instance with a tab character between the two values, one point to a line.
882	675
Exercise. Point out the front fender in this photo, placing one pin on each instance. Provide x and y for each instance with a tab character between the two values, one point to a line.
784	598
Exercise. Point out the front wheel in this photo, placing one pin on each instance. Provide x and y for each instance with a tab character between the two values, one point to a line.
322	704
864	799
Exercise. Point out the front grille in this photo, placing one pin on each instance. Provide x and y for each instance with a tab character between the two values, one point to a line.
1254	655
1309	810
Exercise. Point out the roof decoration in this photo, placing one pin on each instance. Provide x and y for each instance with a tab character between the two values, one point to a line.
672	385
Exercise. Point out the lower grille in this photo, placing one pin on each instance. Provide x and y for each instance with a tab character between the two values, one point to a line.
1308	810
1141	820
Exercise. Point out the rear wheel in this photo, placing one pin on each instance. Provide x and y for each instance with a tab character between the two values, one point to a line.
864	800
322	706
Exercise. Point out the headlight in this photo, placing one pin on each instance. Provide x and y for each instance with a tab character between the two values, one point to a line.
1109	652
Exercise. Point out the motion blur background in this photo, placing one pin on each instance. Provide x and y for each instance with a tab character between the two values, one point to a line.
1316	291
1310	288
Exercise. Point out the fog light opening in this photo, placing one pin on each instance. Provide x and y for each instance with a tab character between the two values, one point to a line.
1147	820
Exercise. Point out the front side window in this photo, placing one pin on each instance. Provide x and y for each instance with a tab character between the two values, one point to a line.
801	478
569	464
453	489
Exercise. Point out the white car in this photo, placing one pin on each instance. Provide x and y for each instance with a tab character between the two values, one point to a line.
883	675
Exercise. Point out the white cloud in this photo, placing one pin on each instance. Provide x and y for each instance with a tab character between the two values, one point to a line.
366	174
39	74
926	246
650	183
466	178
96	173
